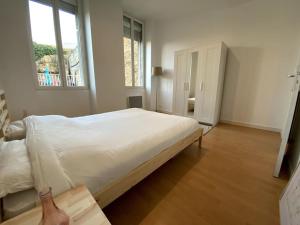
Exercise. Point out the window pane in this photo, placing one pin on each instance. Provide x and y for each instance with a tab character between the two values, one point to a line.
127	50
71	49
137	64
127	61
44	44
138	69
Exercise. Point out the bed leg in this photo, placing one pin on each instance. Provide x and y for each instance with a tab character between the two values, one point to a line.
200	142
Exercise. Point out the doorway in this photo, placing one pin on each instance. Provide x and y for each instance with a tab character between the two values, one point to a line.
293	149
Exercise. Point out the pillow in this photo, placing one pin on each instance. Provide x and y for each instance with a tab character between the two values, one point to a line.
16	130
15	167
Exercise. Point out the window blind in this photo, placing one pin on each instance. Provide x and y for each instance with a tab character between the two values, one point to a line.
126	27
66	5
138	35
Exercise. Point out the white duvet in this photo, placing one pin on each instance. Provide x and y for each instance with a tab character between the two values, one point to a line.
15	168
98	149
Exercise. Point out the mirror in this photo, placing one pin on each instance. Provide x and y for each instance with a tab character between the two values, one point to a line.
192	85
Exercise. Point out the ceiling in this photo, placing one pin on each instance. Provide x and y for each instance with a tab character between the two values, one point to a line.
168	9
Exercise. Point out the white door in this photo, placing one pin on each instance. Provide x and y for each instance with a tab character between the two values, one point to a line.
208	75
287	127
180	84
289	203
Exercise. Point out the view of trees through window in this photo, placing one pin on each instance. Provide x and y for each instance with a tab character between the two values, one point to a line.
45	46
127	61
133	52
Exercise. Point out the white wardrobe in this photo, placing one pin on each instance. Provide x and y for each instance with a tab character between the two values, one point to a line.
198	82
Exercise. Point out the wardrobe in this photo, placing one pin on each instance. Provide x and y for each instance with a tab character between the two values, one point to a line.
198	82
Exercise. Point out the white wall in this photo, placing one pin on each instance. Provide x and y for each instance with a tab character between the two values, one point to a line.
1	83
263	39
106	47
152	59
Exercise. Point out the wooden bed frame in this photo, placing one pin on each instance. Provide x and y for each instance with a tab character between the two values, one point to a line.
117	188
4	122
120	186
4	117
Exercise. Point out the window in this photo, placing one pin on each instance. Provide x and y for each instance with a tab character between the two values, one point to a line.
56	43
133	52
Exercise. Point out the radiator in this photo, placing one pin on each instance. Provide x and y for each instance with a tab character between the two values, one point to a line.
135	102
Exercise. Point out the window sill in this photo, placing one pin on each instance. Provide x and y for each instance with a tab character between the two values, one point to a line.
62	88
137	87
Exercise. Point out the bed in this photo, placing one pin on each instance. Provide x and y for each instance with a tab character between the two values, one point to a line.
121	149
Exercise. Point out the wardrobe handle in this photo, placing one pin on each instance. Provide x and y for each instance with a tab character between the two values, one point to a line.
186	86
294	75
201	85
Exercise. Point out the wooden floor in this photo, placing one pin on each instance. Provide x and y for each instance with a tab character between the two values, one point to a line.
228	182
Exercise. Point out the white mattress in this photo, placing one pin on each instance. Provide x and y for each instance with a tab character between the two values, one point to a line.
102	148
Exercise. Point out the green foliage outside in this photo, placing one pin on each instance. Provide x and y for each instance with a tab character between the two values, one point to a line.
40	50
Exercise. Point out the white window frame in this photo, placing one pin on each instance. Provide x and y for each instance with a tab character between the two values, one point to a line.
77	10
132	20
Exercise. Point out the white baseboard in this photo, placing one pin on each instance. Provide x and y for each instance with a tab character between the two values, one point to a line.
251	125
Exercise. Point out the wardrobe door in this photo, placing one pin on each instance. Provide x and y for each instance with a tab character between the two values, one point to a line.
180	85
209	63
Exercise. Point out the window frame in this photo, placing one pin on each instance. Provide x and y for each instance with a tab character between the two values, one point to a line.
132	20
77	10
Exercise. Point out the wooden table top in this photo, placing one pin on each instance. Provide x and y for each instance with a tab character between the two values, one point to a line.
78	203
